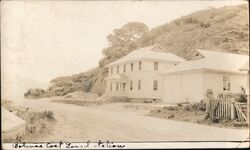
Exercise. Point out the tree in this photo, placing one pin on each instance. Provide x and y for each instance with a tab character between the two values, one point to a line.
126	34
122	41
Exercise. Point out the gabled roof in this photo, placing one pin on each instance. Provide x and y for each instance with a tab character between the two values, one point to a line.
117	77
147	53
213	60
244	67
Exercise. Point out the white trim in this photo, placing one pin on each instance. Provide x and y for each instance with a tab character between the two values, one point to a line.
205	69
137	60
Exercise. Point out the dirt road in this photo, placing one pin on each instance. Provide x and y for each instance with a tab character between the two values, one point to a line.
79	124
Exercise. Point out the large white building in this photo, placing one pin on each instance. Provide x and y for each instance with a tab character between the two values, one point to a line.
150	74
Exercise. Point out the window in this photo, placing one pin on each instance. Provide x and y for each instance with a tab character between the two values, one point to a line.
117	86
155	66
111	70
110	86
124	68
117	69
226	83
131	85
155	87
132	67
123	86
139	84
139	65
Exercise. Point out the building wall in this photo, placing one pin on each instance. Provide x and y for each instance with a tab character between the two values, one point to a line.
214	81
146	91
115	92
146	75
172	88
192	86
183	86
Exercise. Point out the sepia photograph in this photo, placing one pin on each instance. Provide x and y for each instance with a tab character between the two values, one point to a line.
130	74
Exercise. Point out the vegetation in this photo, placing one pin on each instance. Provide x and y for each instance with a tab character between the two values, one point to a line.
192	112
37	123
219	29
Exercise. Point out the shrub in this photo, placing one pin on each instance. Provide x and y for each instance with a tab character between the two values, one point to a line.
34	93
242	99
243	96
171	116
48	114
172	108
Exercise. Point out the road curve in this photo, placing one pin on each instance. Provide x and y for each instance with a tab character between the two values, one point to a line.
79	124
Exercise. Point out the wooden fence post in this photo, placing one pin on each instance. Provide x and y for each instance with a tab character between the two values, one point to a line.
207	105
232	110
209	97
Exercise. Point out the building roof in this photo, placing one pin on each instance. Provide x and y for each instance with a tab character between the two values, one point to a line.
147	53
121	77
213	60
245	67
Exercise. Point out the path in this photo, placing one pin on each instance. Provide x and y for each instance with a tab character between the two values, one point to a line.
78	123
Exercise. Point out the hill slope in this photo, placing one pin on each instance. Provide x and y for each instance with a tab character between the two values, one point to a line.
220	29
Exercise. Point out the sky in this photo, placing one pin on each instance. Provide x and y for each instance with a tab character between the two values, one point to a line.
41	40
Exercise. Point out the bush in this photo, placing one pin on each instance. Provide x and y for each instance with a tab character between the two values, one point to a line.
171	116
172	108
243	96
48	114
242	99
34	93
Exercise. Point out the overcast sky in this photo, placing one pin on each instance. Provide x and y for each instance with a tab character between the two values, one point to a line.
42	40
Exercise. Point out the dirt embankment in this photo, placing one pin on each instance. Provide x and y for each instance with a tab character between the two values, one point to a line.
37	123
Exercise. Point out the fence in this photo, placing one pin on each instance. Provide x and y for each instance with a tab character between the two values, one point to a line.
240	109
226	109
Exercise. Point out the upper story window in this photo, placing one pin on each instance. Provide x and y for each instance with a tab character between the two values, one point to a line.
124	68
155	86
226	83
111	70
117	69
140	65
132	66
139	84
155	66
131	85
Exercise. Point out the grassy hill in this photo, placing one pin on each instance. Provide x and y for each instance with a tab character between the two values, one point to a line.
219	29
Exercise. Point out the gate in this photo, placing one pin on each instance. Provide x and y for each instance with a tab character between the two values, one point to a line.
227	109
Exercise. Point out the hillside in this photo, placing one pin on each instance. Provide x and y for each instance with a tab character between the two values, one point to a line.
222	29
219	29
